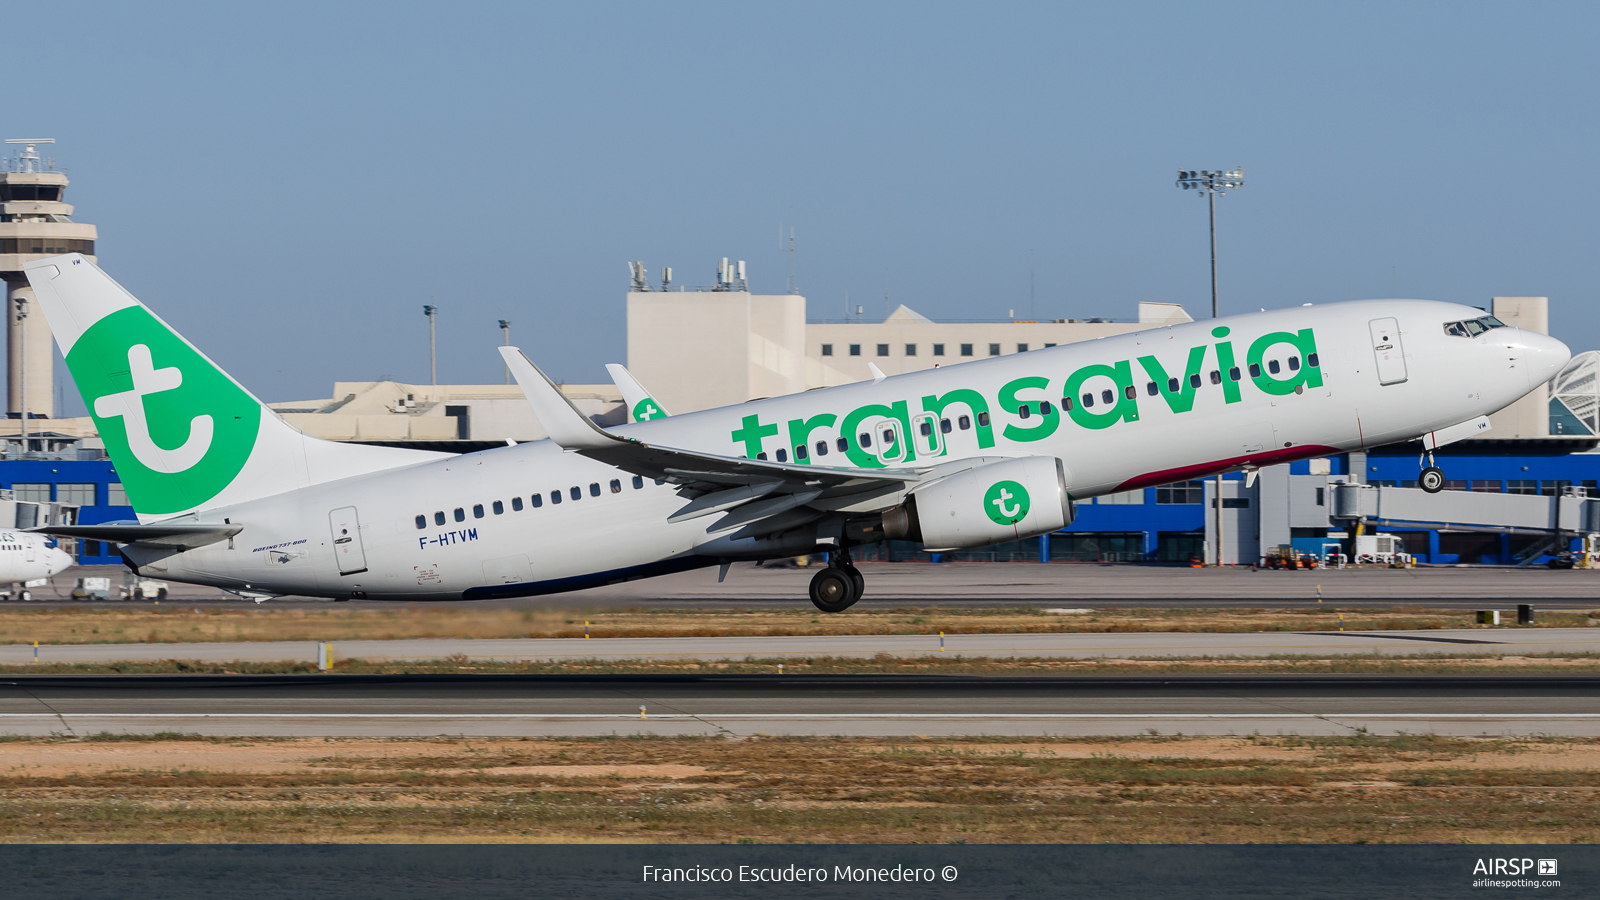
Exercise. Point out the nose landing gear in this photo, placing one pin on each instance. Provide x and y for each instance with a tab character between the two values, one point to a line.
1431	479
837	588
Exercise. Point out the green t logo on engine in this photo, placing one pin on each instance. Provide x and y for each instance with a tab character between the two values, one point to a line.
1006	503
176	427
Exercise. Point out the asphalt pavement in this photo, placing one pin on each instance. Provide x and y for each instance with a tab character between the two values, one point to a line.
734	706
970	584
1120	645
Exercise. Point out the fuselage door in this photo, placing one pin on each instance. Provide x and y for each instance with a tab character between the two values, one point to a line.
347	550
1386	347
28	551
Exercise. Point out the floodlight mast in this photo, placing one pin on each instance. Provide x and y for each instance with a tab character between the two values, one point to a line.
1213	183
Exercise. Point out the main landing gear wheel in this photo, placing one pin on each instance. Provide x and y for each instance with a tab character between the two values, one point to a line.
833	590
1431	480
858	583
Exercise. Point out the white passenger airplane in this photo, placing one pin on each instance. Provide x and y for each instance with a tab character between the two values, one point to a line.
966	455
26	559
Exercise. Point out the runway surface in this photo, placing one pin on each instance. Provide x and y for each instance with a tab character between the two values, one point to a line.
532	706
965	584
1508	641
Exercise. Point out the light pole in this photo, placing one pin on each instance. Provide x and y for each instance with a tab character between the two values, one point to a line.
1213	183
433	357
505	330
22	326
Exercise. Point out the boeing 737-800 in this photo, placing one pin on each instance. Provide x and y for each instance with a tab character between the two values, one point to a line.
228	494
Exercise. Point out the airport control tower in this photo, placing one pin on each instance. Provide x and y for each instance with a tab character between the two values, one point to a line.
34	223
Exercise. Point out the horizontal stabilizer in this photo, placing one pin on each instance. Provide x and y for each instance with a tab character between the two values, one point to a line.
176	536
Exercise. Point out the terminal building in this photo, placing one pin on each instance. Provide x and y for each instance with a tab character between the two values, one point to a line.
720	344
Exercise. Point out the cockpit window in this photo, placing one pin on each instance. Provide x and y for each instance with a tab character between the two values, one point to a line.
1472	327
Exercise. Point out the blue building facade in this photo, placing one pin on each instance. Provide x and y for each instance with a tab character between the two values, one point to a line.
1165	524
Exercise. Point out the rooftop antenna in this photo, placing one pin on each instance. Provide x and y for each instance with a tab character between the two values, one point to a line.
666	278
636	271
793	287
30	156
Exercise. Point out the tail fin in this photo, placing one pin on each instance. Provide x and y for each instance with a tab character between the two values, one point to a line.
641	406
183	435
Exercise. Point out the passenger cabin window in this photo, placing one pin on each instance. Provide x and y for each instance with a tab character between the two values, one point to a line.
1294	363
864	440
477	510
761	455
1088	401
1233	373
422	521
1172	385
844	445
1024	412
1129	392
594	488
538	500
983	420
438	517
1107	397
925	427
1152	389
616	486
964	423
944	426
1311	360
1216	377
1045	409
782	455
888	437
638	482
516	504
1194	380
1066	404
460	514
499	508
799	452
1272	366
822	448
1255	370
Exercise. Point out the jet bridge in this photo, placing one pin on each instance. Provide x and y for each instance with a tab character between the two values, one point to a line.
1558	518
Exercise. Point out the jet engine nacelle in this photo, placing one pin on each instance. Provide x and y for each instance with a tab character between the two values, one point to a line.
1000	501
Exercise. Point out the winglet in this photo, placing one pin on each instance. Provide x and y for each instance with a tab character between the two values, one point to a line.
877	373
641	406
570	429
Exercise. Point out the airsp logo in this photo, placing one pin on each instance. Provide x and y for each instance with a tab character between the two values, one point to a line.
1006	502
646	409
177	428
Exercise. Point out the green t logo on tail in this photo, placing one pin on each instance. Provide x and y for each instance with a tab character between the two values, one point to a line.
178	429
646	409
1006	503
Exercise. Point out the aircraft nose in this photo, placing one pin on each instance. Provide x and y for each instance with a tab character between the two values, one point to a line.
60	561
1545	355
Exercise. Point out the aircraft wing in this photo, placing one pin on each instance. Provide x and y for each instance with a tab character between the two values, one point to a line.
756	488
175	536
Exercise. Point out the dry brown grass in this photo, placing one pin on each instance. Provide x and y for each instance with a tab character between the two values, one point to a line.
160	624
1226	790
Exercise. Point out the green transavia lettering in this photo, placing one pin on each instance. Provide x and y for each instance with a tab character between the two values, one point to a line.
1094	396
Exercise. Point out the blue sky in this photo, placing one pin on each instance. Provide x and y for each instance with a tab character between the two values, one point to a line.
288	184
